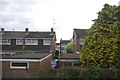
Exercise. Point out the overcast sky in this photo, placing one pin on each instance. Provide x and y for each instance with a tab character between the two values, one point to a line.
40	15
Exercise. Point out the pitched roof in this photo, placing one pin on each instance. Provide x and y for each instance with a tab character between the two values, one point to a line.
40	35
27	56
64	41
80	32
13	34
57	43
21	34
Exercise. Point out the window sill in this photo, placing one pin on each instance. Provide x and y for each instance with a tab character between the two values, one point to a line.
18	68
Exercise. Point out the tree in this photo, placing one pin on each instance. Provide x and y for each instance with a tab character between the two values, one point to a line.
69	47
102	46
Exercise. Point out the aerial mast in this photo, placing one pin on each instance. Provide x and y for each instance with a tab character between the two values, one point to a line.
54	23
27	23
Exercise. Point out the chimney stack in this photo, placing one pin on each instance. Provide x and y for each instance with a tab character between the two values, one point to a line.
52	30
2	30
26	30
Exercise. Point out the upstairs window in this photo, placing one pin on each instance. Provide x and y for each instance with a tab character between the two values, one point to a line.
31	41
5	41
19	41
82	40
19	65
46	42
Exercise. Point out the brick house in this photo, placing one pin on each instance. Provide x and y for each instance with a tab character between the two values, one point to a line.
27	40
25	65
78	39
63	43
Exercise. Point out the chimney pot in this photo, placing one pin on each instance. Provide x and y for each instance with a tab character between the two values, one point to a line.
26	29
52	30
2	30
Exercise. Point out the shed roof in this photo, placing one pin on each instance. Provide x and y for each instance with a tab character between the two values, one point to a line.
69	56
27	56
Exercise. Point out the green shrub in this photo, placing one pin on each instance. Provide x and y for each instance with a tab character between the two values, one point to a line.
110	73
69	47
47	74
70	73
91	73
95	72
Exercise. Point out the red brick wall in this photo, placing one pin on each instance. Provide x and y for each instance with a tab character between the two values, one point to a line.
52	45
43	65
76	44
46	64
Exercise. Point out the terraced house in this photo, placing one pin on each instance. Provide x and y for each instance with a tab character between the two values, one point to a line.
27	40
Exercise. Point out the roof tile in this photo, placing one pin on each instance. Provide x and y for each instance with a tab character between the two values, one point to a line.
81	32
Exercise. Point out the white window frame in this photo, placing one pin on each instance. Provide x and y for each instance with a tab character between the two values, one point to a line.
18	67
46	41
5	41
31	41
19	41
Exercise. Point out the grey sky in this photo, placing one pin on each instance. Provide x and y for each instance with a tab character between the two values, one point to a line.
38	15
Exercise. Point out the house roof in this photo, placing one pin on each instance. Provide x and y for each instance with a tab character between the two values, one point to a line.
13	34
80	32
21	34
64	41
27	56
40	35
57	43
70	56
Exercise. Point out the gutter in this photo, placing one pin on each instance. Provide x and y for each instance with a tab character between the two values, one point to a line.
26	60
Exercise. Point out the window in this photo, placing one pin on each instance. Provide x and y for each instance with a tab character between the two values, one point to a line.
5	41
19	65
31	41
46	42
19	41
63	45
82	40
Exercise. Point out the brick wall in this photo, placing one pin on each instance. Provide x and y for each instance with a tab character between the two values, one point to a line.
76	44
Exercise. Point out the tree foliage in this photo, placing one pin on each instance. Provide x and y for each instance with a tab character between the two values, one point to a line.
102	46
69	47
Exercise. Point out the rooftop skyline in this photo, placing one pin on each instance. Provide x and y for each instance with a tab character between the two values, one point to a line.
41	15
